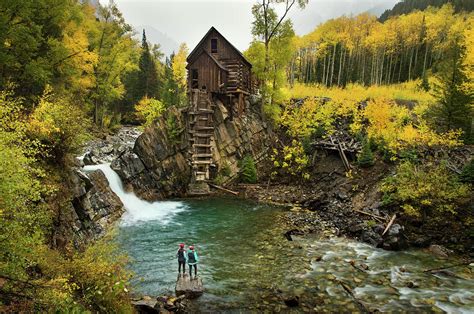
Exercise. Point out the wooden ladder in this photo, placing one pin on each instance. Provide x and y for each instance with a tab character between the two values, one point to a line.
201	135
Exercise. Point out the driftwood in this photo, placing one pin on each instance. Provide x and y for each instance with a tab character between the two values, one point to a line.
223	189
369	214
431	270
389	224
348	289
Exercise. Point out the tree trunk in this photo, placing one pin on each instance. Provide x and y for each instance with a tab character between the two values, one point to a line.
333	61
340	67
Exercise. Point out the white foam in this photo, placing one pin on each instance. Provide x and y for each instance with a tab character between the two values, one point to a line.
138	210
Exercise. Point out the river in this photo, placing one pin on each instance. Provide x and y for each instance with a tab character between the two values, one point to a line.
247	264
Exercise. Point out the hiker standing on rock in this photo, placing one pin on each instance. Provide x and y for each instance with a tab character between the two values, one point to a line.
192	259
181	255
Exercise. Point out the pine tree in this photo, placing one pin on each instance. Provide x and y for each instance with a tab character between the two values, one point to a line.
147	75
366	158
170	88
454	102
248	170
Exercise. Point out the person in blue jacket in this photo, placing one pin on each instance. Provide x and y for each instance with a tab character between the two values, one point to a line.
192	259
181	255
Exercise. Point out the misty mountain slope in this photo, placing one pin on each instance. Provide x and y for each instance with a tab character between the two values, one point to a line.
319	11
154	36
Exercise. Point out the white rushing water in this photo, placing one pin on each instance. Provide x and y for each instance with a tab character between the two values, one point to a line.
138	210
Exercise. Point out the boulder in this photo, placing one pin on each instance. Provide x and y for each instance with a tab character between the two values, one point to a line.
128	165
394	239
189	287
146	306
439	251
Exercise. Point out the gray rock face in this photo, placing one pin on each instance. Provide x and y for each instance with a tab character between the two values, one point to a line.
160	165
128	165
93	208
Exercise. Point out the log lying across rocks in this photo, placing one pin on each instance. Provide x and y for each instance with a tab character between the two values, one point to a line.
190	287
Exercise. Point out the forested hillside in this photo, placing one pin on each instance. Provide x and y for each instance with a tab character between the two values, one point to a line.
399	94
69	71
408	6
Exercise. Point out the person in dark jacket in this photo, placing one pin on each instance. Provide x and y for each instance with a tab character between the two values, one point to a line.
181	255
192	258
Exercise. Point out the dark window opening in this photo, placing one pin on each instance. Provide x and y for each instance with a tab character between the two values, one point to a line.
194	78
214	45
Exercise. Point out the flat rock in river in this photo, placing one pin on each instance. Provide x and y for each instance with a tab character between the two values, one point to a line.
192	288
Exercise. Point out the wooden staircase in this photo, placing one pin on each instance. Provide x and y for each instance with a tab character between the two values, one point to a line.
201	133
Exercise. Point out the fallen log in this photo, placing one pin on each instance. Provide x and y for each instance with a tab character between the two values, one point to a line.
348	289
369	214
223	189
447	267
389	224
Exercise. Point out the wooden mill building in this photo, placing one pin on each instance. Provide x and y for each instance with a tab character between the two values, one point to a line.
216	70
217	67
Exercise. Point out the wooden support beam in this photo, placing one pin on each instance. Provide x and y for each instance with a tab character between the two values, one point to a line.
223	189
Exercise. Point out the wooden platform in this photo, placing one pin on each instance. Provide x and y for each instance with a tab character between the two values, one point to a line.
191	288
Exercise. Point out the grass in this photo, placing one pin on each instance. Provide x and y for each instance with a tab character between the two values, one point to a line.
409	91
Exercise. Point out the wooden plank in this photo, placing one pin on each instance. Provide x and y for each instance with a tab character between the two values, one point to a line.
369	214
389	224
223	189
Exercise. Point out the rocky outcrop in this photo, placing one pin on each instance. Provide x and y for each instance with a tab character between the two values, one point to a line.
159	164
92	209
189	287
105	150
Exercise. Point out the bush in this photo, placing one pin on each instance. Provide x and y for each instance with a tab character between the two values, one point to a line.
173	128
424	190
467	174
292	160
248	171
148	110
366	158
58	125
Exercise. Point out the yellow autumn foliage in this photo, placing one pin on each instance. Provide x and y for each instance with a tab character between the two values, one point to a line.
372	110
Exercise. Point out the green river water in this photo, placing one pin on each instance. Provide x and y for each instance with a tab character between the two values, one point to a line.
246	263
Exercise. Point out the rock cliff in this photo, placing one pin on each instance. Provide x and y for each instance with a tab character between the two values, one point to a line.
93	207
158	166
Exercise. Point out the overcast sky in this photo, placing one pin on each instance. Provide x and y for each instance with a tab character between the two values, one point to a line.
188	20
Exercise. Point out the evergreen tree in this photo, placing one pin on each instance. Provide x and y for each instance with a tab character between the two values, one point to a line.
248	170
147	84
170	88
366	158
453	110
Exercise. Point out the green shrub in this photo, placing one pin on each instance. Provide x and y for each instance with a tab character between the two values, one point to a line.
148	110
225	170
365	158
467	174
424	190
59	126
173	128
248	171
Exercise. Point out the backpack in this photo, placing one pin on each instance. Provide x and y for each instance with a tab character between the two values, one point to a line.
191	257
181	255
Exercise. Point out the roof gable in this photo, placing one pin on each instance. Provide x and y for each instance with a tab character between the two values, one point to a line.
204	51
196	50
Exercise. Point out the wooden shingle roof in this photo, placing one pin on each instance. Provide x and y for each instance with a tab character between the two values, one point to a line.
197	50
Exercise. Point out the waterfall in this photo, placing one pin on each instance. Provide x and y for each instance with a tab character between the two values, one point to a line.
138	210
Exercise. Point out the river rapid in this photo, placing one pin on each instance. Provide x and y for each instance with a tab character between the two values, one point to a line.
246	263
